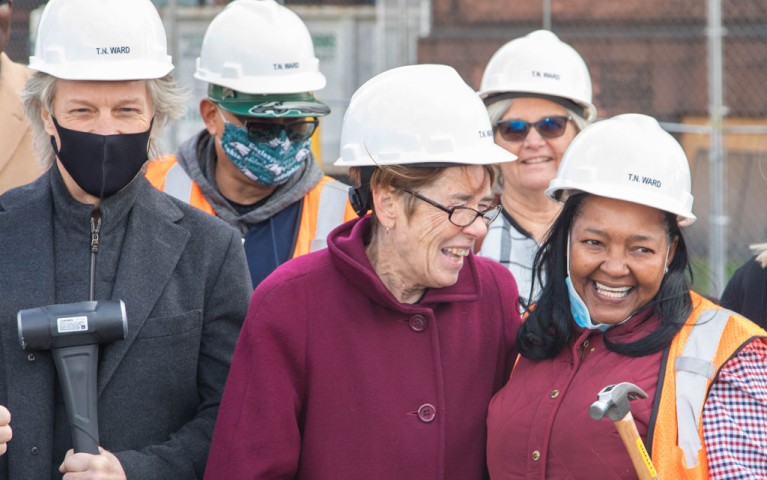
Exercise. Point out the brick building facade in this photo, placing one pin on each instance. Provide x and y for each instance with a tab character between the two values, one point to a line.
648	56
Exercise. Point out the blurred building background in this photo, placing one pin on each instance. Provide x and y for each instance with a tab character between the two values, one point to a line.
699	66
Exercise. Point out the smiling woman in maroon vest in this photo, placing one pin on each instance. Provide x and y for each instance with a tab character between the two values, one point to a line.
617	307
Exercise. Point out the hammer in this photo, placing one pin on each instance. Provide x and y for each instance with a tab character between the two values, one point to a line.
613	401
73	332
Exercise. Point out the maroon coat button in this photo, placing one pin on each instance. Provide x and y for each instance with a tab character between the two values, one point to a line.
426	413
417	323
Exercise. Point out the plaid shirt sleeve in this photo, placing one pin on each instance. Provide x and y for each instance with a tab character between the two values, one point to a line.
734	417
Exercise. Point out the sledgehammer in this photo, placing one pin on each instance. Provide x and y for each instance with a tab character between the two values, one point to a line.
613	401
73	333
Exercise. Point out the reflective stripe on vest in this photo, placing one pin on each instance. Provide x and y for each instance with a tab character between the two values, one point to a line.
178	183
710	337
330	213
694	369
324	207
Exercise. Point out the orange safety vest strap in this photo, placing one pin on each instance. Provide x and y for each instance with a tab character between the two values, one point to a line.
157	168
325	207
695	371
710	337
167	175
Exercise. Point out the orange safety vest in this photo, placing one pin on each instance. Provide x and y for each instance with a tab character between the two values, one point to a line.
325	206
710	337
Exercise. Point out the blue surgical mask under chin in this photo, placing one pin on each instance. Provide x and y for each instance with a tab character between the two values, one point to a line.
267	163
580	311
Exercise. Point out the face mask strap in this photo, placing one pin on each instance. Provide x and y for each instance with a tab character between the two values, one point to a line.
222	115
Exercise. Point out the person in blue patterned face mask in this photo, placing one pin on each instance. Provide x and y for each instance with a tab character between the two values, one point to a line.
268	152
253	164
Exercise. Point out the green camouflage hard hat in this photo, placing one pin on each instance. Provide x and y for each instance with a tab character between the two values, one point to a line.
284	105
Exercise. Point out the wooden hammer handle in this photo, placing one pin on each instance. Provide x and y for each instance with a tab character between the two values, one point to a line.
633	442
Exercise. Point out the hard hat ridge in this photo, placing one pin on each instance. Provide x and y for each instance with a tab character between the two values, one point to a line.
539	63
419	115
101	40
628	157
259	47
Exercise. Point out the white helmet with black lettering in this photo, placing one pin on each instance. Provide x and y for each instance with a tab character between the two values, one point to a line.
259	47
115	40
539	64
628	157
418	115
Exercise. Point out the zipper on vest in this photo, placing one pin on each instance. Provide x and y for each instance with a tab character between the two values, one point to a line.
95	230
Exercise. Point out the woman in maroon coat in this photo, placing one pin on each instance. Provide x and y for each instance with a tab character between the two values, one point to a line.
377	357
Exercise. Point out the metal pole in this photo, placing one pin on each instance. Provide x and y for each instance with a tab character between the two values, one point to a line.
381	35
717	110
403	30
171	28
547	14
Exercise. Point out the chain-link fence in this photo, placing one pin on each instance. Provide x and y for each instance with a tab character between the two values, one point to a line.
699	66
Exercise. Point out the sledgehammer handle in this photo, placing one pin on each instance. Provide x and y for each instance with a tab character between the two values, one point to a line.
633	442
77	368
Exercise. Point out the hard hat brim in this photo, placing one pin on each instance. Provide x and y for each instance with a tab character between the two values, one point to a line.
125	70
485	154
557	189
266	85
584	109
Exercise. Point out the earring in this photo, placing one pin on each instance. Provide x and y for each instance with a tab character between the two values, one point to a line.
387	230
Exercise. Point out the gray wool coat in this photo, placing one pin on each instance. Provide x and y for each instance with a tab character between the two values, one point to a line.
185	284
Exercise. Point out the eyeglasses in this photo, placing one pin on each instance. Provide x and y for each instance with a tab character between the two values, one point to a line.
548	127
264	132
461	216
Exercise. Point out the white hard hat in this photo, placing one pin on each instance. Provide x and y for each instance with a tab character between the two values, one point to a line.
259	47
418	114
541	64
628	157
101	40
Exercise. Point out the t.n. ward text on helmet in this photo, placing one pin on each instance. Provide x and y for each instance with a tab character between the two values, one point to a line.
286	66
646	180
112	50
553	76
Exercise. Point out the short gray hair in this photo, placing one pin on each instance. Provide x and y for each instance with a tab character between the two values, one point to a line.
167	99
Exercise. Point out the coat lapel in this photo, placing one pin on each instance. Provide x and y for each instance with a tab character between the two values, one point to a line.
26	243
153	245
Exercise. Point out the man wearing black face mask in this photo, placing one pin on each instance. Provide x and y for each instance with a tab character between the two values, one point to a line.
93	228
252	165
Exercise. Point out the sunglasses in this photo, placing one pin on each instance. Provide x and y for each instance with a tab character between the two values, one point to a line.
548	127
264	132
461	216
284	108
